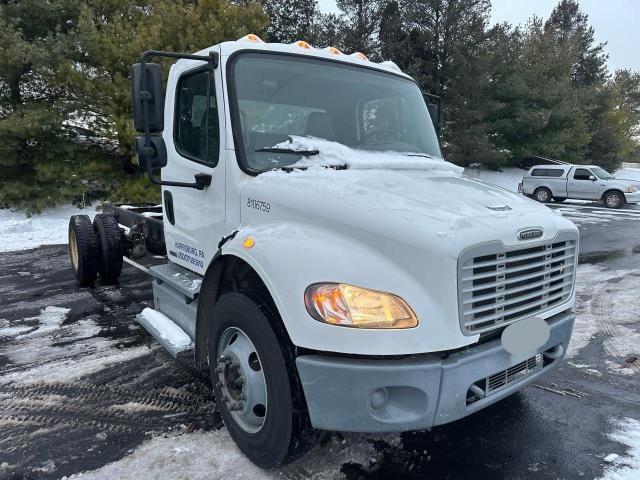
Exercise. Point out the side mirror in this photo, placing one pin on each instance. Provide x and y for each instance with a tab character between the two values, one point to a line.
148	89
154	156
434	105
592	178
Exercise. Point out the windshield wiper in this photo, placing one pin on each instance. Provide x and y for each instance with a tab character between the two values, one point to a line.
424	155
304	153
332	167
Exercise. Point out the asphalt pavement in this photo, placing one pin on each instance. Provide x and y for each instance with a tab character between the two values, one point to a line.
81	385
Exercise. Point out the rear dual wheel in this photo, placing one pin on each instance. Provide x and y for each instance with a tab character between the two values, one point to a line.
95	248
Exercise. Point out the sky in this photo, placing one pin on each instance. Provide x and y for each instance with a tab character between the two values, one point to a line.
616	22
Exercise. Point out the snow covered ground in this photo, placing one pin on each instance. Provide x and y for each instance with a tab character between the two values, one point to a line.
18	232
213	455
625	467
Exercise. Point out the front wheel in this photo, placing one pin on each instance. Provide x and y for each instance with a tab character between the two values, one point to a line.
255	383
614	199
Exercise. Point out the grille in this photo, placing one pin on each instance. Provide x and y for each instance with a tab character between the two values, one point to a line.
500	380
498	287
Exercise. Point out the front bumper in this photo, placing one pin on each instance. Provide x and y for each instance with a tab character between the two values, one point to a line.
368	395
632	197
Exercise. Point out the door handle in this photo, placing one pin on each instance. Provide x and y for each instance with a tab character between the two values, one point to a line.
202	180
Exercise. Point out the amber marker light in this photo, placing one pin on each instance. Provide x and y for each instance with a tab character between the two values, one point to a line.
350	306
359	56
252	38
248	242
334	50
302	44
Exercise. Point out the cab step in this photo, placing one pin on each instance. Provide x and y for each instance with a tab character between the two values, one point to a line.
175	340
180	279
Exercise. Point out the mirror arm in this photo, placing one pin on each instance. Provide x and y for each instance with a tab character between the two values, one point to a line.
202	180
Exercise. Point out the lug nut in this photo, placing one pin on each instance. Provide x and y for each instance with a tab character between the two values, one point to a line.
224	358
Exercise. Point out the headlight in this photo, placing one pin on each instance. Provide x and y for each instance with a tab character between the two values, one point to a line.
349	306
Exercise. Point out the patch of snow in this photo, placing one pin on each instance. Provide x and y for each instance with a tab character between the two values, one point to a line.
214	455
49	319
625	467
19	232
507	178
133	407
168	330
611	457
606	305
336	154
50	353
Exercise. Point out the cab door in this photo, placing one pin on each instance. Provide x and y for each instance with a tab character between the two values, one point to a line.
581	185
194	219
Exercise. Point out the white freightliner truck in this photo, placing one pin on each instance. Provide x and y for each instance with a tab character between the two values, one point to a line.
323	261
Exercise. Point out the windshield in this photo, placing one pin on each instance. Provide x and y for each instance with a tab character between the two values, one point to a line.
602	174
280	96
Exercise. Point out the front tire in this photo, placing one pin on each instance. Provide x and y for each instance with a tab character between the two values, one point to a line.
542	195
255	382
613	199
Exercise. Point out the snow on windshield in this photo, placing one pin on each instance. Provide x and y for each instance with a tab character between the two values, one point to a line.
336	154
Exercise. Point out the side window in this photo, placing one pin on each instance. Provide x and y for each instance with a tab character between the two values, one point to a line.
196	133
539	172
554	172
581	174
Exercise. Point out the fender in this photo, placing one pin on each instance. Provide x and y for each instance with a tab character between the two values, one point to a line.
290	256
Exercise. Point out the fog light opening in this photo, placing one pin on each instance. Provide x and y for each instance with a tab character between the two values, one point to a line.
379	398
475	392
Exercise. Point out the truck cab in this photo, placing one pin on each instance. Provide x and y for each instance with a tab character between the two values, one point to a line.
324	262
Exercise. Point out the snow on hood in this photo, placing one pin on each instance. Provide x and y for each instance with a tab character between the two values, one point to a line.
336	154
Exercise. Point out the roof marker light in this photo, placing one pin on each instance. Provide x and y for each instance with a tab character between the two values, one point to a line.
359	56
333	50
302	44
251	38
390	64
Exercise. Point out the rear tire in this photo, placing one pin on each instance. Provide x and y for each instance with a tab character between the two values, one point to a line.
613	199
542	195
82	249
285	432
109	242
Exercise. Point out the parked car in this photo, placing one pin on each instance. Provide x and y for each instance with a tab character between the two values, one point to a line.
585	182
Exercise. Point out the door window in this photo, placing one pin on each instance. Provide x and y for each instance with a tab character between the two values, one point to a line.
582	174
196	131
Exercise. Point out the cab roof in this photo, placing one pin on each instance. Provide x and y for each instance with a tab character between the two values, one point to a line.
300	47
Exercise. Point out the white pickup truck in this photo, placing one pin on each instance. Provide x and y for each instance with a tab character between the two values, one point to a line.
584	182
323	261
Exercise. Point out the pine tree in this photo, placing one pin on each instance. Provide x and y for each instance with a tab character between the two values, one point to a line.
290	20
362	19
68	64
392	37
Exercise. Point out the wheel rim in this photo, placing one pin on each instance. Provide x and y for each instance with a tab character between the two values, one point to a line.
612	200
542	195
241	380
73	246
